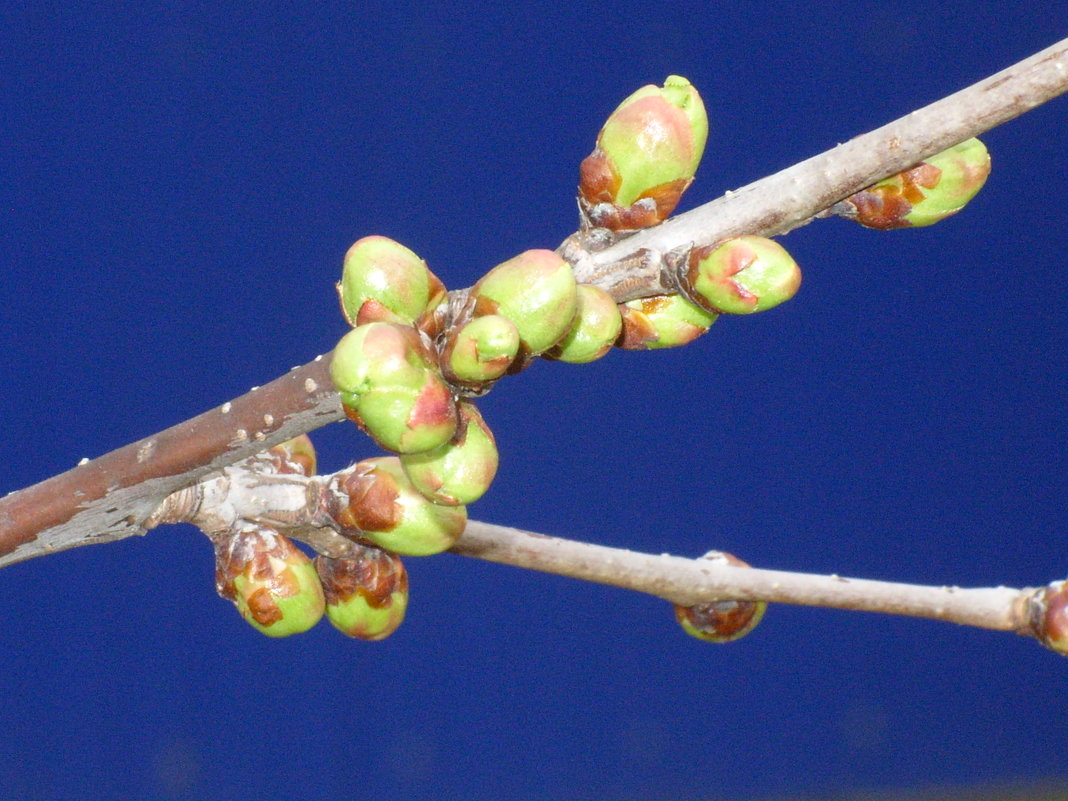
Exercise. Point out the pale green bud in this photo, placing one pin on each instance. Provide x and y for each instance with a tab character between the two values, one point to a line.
482	350
382	280
594	330
366	597
662	321
461	470
741	276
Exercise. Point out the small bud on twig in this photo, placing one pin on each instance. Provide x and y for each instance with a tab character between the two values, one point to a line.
721	621
366	597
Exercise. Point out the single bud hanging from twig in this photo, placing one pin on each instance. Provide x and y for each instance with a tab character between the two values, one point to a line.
366	597
594	330
382	280
931	191
536	290
662	321
461	470
390	386
721	621
1049	616
385	508
645	158
741	276
270	580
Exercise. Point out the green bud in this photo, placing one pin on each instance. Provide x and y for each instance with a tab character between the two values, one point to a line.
535	290
741	276
663	321
366	597
295	455
389	385
482	350
384	281
931	191
721	621
386	509
271	581
646	156
594	330
1049	616
461	470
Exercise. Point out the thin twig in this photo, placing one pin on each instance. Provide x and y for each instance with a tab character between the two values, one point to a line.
110	497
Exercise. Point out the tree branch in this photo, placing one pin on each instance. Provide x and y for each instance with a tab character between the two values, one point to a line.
111	497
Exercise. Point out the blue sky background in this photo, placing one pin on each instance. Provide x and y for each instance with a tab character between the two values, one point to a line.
179	183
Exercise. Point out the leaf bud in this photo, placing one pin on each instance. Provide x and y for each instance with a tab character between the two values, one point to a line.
645	158
390	386
741	276
594	330
382	280
295	455
661	321
931	191
270	580
536	290
721	621
461	470
386	509
366	597
481	351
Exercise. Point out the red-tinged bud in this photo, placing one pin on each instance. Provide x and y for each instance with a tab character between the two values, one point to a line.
721	621
536	290
386	509
741	276
461	470
646	156
270	580
366	597
1049	616
931	191
663	321
384	281
295	455
595	329
389	385
481	351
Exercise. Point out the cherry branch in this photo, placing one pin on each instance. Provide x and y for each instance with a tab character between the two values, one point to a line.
113	496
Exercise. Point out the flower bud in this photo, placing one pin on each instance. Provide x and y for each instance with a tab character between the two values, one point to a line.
931	191
461	470
272	582
384	281
390	386
1049	616
645	158
386	509
721	621
662	321
535	290
594	330
482	350
366	597
295	455
741	276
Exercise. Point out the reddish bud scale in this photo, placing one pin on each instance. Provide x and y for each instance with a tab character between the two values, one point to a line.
1049	616
721	621
366	597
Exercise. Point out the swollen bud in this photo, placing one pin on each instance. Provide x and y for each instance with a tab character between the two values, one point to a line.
645	158
461	470
384	281
721	621
594	330
366	597
481	351
1049	616
271	581
390	386
662	321
741	276
931	191
386	509
536	290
